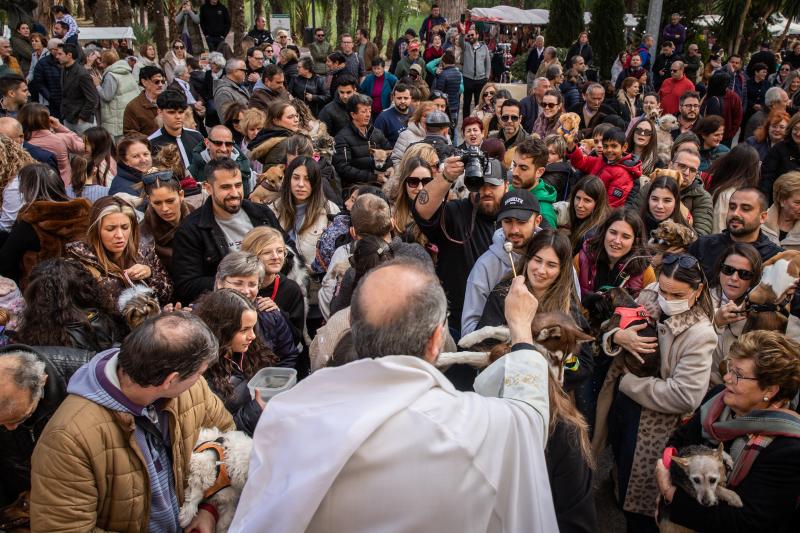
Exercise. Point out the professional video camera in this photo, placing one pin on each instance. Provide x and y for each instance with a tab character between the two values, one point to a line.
476	164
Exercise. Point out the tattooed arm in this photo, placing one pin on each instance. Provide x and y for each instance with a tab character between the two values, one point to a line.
431	197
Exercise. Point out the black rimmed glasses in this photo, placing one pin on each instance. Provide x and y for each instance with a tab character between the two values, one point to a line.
737	377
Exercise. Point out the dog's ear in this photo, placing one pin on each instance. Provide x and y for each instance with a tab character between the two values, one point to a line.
552	332
581	337
682	462
723	457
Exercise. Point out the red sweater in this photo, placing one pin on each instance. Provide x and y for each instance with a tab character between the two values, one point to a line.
617	176
670	93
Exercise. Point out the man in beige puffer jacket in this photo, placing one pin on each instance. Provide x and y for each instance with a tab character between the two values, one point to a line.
115	456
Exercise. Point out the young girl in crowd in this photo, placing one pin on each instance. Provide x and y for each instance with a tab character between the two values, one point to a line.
643	143
662	201
587	209
113	252
84	182
277	290
166	209
102	152
738	168
232	318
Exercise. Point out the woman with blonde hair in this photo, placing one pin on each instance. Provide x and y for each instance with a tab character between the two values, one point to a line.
485	108
287	59
114	254
415	173
276	290
12	158
414	133
783	218
248	124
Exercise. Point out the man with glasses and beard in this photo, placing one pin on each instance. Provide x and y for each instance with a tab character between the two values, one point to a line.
461	229
217	227
320	50
511	131
689	107
141	112
476	69
219	145
747	210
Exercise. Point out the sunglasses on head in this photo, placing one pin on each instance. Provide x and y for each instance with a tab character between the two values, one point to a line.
744	275
509	118
150	179
683	260
229	144
414	182
438	94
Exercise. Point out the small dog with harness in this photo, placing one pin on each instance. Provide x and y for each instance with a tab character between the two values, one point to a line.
217	473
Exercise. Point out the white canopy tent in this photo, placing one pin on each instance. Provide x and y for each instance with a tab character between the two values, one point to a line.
110	33
534	17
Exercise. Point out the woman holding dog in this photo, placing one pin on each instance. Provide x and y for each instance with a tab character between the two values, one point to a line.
737	271
783	218
638	414
568	455
165	210
269	146
233	318
753	416
113	252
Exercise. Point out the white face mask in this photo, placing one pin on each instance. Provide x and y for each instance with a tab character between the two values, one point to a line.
672	307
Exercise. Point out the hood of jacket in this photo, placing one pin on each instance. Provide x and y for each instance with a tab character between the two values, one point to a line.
97	382
559	167
694	189
128	173
120	67
544	192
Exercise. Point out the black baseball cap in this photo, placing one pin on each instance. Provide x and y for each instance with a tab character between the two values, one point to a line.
494	173
519	204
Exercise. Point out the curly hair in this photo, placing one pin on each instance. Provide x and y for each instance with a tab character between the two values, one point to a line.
60	293
12	158
776	360
222	311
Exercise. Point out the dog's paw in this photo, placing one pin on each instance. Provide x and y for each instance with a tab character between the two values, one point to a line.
499	333
186	514
729	497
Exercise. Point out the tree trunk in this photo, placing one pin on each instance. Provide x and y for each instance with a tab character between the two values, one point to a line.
258	5
42	13
236	8
362	21
452	9
742	20
172	27
327	16
125	13
102	13
278	6
344	15
380	21
776	44
155	14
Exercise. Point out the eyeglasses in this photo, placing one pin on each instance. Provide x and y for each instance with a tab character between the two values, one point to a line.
686	168
229	144
744	275
279	252
178	47
683	260
642	132
549	105
691	106
166	175
736	375
258	58
158	82
415	182
268	51
489	93
510	118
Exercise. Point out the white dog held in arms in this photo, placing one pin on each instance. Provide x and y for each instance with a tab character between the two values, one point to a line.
217	473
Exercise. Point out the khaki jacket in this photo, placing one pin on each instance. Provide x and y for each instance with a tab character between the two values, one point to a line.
771	229
88	473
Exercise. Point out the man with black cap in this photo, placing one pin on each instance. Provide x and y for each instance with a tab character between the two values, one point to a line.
461	229
437	129
520	217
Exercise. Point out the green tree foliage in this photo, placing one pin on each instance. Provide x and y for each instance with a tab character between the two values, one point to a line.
566	22
607	33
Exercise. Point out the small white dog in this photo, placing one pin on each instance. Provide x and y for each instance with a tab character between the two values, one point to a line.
217	474
666	124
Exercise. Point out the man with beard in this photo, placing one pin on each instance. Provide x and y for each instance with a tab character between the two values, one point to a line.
747	210
520	218
395	119
689	107
511	132
530	161
219	145
209	233
461	229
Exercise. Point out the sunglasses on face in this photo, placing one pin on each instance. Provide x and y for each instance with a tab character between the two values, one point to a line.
158	82
489	93
674	70
415	182
744	275
149	179
229	144
178	47
509	118
549	105
644	133
268	51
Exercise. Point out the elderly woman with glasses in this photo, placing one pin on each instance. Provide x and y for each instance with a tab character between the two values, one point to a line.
753	418
783	218
638	414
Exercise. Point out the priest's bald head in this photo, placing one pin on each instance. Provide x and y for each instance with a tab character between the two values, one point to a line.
399	308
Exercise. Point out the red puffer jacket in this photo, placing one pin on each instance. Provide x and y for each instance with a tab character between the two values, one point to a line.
618	177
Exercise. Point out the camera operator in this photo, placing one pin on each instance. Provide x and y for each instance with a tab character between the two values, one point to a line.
461	229
437	129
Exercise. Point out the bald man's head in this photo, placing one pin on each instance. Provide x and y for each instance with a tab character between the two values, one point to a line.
399	308
11	128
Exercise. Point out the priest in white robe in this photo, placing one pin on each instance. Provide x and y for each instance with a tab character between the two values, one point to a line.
387	444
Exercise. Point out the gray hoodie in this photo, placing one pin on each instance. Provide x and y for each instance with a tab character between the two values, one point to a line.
488	271
477	61
97	382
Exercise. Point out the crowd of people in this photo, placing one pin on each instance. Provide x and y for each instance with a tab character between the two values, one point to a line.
171	226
